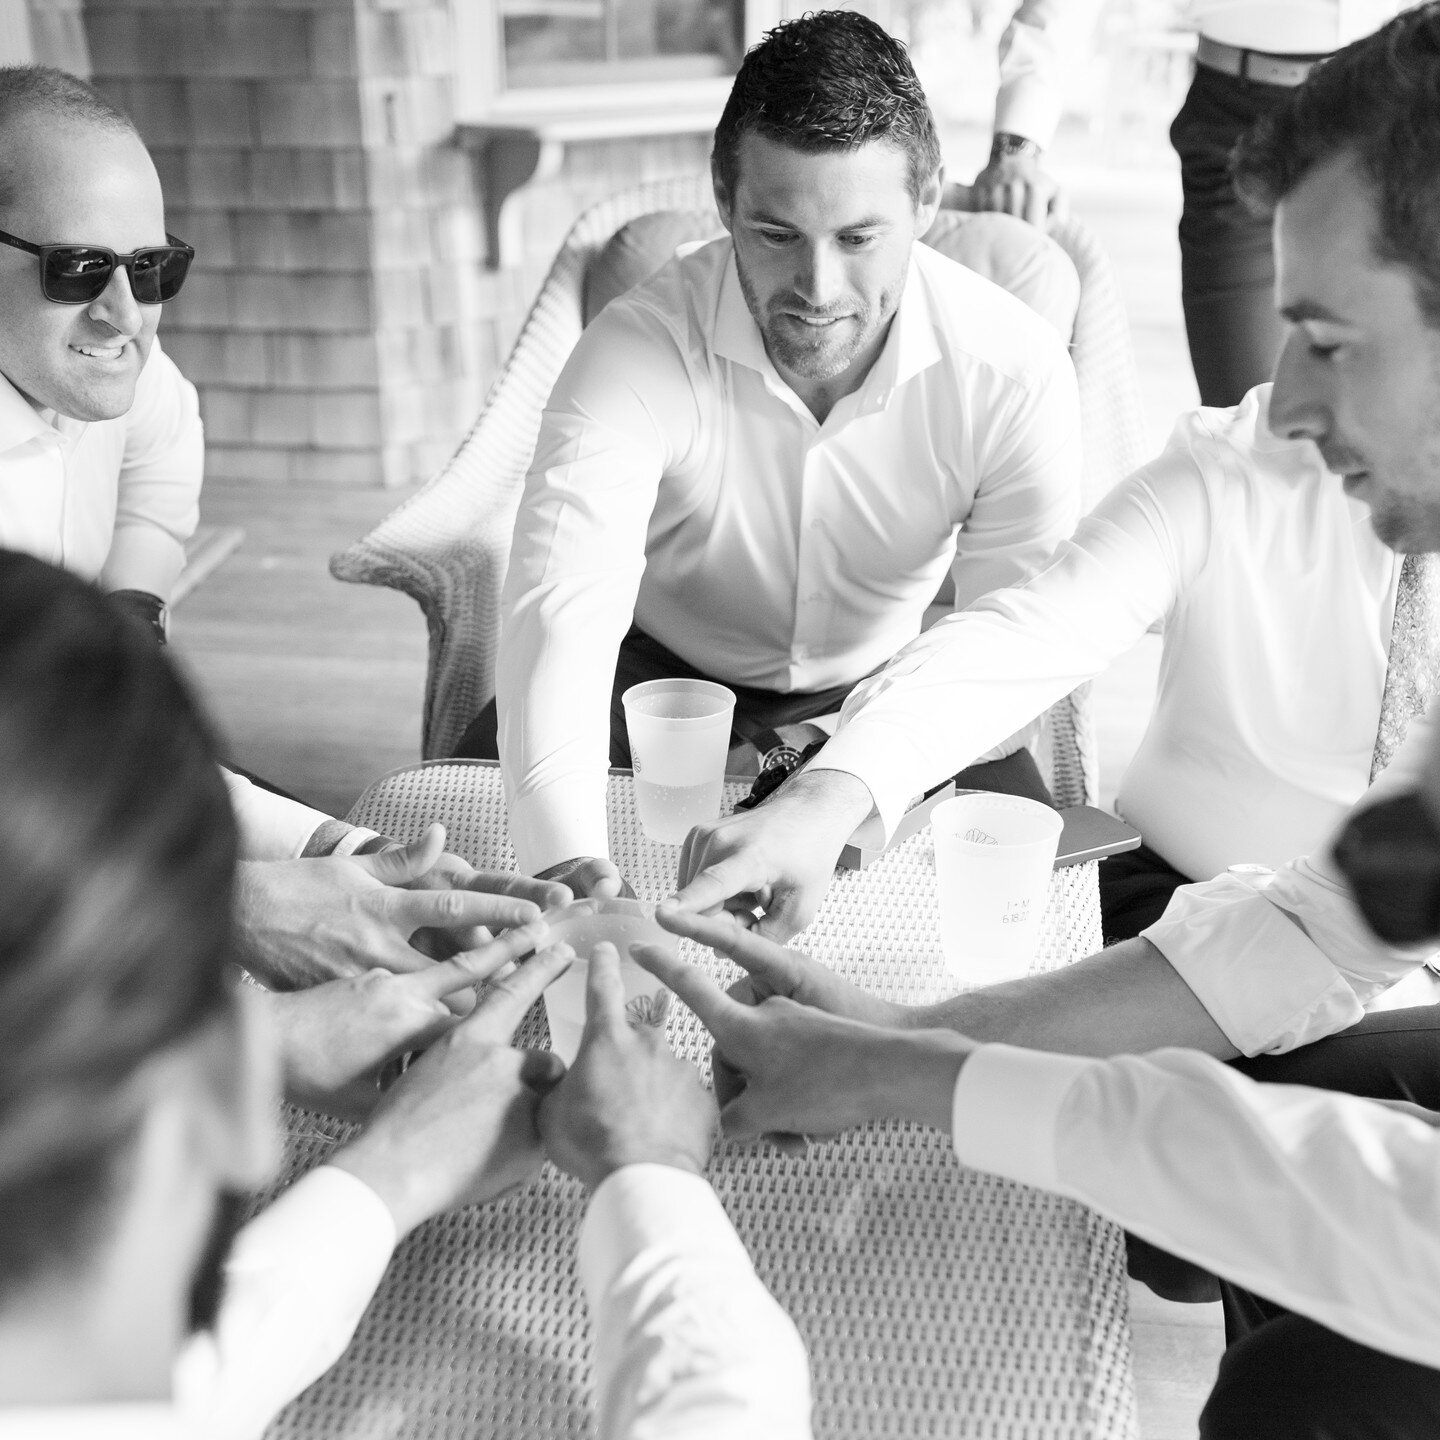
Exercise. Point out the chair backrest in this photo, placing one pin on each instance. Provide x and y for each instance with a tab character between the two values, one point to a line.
448	546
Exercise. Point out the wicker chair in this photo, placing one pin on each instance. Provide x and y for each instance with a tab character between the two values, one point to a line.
449	544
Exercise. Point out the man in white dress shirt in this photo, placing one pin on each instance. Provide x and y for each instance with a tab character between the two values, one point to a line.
101	458
1251	53
101	449
762	462
138	1089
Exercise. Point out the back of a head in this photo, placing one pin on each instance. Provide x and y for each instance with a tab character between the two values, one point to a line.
117	854
831	80
49	97
1378	101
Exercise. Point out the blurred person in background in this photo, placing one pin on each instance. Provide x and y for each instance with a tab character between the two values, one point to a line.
1250	56
137	1092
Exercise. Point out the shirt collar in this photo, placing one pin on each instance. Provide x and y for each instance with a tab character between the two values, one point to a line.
910	348
21	422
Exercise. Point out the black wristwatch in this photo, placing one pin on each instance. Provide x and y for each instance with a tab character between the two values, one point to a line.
1005	144
150	610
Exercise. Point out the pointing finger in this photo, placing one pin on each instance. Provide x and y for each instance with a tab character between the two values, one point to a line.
713	1006
776	966
604	992
504	1006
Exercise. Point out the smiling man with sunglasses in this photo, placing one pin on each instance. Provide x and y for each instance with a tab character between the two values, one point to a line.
101	448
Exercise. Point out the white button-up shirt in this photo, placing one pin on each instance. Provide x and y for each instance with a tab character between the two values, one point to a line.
688	1343
1321	1202
1032	50
111	500
678	478
1277	601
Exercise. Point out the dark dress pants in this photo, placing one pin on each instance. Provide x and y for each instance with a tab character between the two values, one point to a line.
757	712
1289	1378
1227	273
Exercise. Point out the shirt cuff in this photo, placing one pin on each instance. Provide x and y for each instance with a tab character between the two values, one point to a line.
1004	1114
144	557
1265	982
271	827
639	1206
891	788
328	1209
560	822
297	1281
336	837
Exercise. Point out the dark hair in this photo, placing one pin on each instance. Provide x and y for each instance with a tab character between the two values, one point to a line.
117	858
1378	100
831	80
27	90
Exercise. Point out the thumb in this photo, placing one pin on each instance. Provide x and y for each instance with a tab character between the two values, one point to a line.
405	863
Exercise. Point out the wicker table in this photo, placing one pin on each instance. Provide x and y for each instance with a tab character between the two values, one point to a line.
935	1301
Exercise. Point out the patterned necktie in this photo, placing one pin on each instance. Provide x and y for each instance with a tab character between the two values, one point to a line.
1414	655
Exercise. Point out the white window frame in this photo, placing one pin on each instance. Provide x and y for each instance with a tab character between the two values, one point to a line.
482	93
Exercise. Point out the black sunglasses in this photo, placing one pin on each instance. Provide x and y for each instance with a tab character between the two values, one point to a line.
79	274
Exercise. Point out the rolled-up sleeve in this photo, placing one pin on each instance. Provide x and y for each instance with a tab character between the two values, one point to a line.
158	500
1281	960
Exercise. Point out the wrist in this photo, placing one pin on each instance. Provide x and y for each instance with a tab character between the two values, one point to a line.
670	1157
835	799
370	1159
918	1070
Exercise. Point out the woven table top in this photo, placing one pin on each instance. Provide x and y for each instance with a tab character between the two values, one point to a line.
934	1301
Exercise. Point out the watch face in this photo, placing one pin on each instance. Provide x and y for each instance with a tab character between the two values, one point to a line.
1014	145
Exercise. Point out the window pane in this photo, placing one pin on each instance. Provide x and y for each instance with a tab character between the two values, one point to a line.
586	42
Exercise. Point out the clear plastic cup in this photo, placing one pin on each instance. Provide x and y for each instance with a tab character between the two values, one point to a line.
679	739
993	859
582	925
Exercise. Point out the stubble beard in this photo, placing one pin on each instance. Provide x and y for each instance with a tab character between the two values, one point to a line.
821	357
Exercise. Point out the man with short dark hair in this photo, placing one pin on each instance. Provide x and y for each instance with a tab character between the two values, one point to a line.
758	466
1322	1205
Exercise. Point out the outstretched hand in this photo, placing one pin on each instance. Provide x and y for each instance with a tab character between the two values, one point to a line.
336	1038
626	1100
459	1127
425	864
777	859
805	1072
772	970
302	922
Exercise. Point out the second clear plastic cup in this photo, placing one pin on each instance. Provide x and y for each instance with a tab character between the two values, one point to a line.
679	738
993	858
583	925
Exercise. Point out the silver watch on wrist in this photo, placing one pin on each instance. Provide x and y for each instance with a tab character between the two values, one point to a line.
1005	144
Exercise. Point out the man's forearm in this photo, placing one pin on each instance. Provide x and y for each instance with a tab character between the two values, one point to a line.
1125	1000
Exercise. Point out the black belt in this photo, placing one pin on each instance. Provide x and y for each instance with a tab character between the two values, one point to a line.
1255	64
